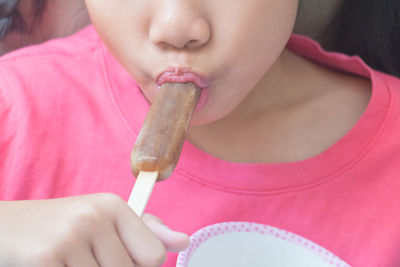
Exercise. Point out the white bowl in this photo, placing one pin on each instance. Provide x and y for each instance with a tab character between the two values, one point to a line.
242	244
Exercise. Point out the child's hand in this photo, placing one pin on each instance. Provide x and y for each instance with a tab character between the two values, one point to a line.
91	230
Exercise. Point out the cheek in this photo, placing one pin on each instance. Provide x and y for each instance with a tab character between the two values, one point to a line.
120	27
246	51
258	34
248	36
255	41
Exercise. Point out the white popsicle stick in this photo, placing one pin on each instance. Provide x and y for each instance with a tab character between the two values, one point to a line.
141	191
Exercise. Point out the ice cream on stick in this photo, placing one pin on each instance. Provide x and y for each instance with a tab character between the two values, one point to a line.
161	138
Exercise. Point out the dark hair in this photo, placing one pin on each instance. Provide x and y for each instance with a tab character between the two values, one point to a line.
369	29
11	19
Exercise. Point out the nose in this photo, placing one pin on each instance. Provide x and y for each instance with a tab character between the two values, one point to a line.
178	24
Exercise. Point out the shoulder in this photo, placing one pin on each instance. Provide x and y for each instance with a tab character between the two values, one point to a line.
57	55
37	64
59	62
392	84
77	44
37	80
390	80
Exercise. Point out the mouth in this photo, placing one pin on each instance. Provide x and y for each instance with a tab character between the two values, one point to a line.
177	75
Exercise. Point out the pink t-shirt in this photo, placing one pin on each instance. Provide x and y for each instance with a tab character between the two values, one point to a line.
69	116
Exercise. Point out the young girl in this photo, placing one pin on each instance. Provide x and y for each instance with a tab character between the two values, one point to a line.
287	135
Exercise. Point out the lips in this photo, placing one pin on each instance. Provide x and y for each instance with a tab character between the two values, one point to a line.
182	76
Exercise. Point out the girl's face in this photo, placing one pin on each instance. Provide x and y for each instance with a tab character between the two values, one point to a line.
224	46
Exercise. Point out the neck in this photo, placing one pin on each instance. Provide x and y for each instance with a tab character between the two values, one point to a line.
292	114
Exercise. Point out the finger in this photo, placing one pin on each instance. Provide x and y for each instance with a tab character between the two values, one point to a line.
81	256
109	249
172	240
143	246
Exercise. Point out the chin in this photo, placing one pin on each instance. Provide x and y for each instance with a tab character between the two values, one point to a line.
204	116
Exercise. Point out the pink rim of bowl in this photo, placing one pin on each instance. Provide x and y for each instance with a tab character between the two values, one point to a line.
204	234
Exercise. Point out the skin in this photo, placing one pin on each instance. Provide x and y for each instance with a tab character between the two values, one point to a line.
90	230
201	36
60	18
67	17
265	104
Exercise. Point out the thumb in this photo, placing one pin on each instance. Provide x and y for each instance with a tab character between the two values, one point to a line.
172	240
